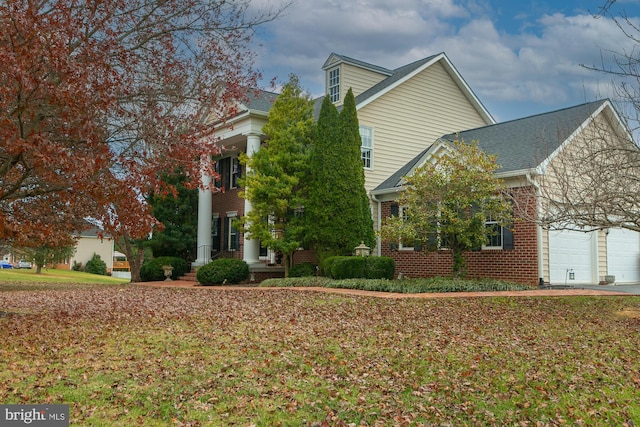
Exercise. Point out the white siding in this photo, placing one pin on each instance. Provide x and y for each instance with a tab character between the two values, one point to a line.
358	79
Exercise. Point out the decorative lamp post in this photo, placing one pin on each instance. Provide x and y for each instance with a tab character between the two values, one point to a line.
167	272
362	250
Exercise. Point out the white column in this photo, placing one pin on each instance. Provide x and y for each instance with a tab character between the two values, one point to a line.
251	247
204	222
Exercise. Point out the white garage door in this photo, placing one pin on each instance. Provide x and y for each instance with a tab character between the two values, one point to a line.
623	255
571	250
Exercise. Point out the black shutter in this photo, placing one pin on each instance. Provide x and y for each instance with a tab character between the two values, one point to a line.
508	241
395	209
225	242
216	237
225	167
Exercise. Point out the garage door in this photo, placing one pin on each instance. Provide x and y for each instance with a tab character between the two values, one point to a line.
571	250
623	255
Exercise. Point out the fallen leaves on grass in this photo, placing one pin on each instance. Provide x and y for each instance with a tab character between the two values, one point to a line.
137	355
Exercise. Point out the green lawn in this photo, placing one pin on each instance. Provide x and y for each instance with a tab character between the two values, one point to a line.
28	279
133	355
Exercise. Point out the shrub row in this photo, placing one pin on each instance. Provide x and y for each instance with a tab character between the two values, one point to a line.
407	286
353	267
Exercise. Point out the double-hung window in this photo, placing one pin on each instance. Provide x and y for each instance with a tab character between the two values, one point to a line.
498	237
333	85
231	234
229	170
366	149
494	234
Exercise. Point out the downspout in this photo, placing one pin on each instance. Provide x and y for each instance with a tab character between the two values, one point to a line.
379	220
531	181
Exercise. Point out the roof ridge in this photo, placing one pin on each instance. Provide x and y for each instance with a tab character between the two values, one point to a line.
546	113
418	62
361	63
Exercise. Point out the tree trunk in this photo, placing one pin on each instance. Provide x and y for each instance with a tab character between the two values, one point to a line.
135	256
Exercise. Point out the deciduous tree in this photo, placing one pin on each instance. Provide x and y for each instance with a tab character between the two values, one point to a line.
278	174
446	202
99	98
594	182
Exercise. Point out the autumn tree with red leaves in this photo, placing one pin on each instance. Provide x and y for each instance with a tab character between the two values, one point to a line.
99	98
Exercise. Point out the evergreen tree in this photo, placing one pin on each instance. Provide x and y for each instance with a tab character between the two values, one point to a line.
359	228
179	216
338	209
277	174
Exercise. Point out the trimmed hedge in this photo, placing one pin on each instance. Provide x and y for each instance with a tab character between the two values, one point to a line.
355	267
379	267
305	269
151	271
406	286
221	271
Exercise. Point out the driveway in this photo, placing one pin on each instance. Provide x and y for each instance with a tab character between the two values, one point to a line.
630	288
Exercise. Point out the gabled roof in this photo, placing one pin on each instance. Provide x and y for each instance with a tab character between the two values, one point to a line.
525	143
521	145
400	75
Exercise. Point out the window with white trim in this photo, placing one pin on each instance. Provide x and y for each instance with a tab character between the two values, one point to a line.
405	244
499	237
232	237
494	234
366	149
333	85
235	171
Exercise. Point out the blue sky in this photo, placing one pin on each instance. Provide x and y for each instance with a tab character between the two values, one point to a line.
519	57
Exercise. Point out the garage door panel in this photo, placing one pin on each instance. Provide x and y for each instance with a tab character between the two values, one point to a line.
623	255
571	250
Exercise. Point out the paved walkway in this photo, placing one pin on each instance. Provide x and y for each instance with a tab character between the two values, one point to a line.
533	292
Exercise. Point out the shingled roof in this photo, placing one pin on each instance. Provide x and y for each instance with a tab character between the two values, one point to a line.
519	144
260	100
525	143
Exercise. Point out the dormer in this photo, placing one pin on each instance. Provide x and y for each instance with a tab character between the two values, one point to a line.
342	73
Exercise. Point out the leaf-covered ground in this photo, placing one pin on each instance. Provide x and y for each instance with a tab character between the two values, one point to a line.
148	356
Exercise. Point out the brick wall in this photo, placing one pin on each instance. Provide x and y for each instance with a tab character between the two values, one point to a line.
518	265
229	201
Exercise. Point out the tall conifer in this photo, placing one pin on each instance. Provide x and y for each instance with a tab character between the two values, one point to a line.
338	213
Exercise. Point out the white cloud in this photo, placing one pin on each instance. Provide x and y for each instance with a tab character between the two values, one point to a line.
538	63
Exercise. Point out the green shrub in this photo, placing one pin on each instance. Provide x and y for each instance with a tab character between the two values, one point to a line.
224	270
96	266
379	267
348	267
305	269
407	286
354	267
151	271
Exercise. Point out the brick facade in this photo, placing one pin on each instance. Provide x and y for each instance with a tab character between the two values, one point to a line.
230	201
518	265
